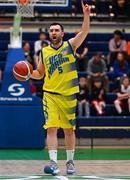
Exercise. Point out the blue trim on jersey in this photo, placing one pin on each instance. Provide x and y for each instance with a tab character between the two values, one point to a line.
72	122
42	56
45	108
73	66
71	97
70	67
45	115
72	110
75	82
72	51
56	48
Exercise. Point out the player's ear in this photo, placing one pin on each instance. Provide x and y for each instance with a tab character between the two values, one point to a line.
63	34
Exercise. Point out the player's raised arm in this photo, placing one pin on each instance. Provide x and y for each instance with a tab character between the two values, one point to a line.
80	37
39	72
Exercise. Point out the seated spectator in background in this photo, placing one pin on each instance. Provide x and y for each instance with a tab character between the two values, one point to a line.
102	7
38	43
81	58
38	54
0	78
122	103
128	52
97	69
128	48
116	44
0	74
97	97
33	88
121	66
83	96
28	53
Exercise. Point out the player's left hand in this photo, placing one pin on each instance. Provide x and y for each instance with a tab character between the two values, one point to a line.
86	8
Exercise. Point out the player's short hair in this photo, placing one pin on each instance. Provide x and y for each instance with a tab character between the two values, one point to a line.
55	23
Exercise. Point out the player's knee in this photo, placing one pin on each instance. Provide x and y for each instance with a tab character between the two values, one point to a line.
52	131
69	132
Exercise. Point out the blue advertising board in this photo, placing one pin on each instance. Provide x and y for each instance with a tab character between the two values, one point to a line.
21	114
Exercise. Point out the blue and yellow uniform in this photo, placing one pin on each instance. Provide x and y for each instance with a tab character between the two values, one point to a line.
60	86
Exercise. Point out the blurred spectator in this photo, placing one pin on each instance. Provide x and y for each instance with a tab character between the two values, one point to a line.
38	43
121	66
97	69
83	96
0	74
0	78
102	7
122	103
116	44
128	48
81	57
97	97
28	53
121	8
128	52
38	54
33	88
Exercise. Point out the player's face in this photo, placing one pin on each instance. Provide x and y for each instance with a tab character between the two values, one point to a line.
56	34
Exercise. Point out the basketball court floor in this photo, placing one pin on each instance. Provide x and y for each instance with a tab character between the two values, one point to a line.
85	169
66	178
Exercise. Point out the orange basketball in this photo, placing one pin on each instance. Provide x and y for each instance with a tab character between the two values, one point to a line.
23	2
22	70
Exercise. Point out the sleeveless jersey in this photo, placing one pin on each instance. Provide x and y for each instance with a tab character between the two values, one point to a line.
60	70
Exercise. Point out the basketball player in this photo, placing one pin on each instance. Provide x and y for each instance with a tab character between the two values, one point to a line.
60	89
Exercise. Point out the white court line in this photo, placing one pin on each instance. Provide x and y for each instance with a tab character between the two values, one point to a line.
62	177
101	178
67	178
25	178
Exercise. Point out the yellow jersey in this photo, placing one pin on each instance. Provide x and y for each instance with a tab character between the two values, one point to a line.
60	70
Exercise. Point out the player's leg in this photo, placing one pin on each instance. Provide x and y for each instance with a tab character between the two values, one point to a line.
67	122
52	144
70	148
51	124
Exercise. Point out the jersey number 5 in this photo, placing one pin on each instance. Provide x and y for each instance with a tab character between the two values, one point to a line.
60	70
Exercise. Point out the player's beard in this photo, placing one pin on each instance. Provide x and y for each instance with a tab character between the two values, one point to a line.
56	41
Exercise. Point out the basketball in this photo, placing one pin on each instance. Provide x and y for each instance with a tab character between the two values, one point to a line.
23	2
22	70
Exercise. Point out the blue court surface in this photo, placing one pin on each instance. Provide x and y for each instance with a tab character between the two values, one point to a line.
45	177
